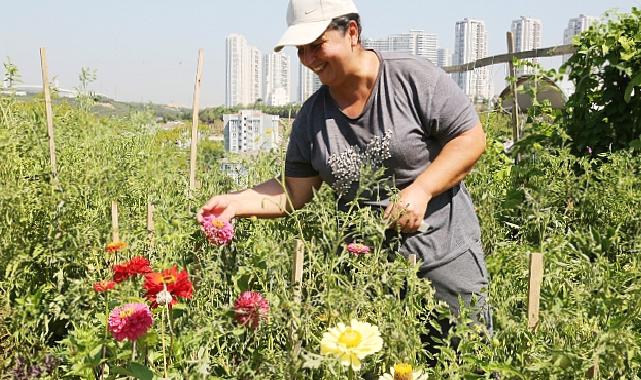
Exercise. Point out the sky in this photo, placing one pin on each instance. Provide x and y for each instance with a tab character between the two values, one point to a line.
147	50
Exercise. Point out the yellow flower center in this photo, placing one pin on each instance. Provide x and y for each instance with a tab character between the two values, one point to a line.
403	371
169	279
350	338
126	313
218	224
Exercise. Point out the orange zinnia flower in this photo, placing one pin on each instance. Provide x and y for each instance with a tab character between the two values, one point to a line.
177	284
115	246
103	286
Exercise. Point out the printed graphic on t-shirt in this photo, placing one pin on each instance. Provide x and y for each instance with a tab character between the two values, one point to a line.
346	166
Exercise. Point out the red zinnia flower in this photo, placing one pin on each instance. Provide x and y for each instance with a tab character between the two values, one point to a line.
250	308
177	284
103	286
115	246
137	265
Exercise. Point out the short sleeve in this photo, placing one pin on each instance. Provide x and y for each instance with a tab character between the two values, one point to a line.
452	111
298	155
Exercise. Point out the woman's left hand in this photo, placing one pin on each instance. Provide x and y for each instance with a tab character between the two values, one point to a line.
408	212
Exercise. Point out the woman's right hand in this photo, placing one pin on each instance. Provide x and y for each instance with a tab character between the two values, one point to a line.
221	206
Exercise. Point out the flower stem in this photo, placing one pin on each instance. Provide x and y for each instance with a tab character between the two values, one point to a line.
104	342
133	351
164	353
171	331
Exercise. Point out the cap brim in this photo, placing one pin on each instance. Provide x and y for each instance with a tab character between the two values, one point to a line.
302	34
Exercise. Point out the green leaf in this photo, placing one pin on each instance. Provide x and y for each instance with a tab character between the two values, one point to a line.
626	56
636	81
140	371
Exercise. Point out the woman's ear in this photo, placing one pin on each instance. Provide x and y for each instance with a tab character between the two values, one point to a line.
352	29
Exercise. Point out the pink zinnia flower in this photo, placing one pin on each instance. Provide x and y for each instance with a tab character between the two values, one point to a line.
357	249
130	321
250	308
218	231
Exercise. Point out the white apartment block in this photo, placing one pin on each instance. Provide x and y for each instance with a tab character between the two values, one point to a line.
527	36
250	131
471	44
416	42
243	72
576	26
308	83
443	57
277	86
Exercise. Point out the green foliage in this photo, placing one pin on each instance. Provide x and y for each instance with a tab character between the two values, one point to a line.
581	211
209	115
604	113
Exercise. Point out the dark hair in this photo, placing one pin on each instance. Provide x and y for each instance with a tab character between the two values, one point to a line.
340	23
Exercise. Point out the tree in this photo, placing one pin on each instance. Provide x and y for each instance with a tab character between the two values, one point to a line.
604	113
11	74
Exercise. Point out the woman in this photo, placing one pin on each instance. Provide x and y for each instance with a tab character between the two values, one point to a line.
388	109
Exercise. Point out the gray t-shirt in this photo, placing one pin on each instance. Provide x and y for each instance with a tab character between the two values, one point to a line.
415	108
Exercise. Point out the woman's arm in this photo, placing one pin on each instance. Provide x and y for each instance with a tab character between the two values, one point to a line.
267	200
451	165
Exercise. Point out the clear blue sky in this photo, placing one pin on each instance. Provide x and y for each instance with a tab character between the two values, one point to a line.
147	50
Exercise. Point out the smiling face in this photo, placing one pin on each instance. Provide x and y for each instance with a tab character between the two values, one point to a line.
330	56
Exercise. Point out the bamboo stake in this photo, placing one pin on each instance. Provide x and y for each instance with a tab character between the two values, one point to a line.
48	111
194	124
534	289
503	58
115	233
516	132
412	259
150	225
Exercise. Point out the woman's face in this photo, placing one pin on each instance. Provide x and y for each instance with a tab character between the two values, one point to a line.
328	56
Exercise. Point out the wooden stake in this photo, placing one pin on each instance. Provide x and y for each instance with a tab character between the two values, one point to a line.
150	224
412	259
516	133
297	270
115	233
48	111
194	124
534	289
297	281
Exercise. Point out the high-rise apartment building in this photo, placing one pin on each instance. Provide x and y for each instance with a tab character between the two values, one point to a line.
277	87
308	83
471	44
243	69
527	36
576	26
416	42
250	131
443	57
256	75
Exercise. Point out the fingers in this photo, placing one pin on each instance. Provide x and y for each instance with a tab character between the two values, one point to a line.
216	206
409	222
402	217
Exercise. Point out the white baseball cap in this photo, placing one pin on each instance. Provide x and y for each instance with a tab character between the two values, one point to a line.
308	19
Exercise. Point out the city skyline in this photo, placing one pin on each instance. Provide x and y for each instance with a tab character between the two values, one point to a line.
148	53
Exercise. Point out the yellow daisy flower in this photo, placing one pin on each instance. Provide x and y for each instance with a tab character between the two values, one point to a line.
403	371
351	344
